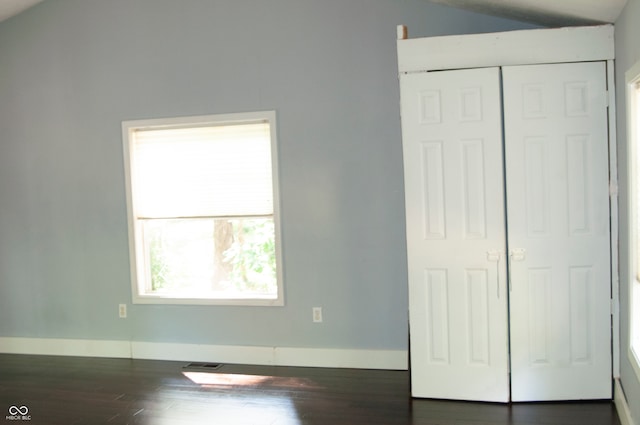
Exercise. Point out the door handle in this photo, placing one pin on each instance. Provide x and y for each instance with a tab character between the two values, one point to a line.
496	255
515	254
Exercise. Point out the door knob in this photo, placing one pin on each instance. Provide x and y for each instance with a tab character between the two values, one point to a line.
495	255
517	254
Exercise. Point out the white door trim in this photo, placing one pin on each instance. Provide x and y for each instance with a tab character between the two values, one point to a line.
574	44
614	219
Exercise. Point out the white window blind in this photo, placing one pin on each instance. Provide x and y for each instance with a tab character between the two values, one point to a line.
211	171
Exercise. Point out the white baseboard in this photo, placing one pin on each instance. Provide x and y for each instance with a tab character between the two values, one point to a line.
202	353
357	359
621	404
66	347
276	356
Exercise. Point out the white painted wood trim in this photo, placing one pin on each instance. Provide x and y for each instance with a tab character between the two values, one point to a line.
526	47
632	76
276	356
135	247
621	404
356	359
614	219
202	353
66	347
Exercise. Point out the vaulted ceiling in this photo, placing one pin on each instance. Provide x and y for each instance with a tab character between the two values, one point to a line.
552	13
9	8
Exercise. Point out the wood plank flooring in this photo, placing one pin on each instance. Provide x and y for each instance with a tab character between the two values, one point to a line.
77	390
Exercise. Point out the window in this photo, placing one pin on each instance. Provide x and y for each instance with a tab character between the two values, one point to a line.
202	205
633	120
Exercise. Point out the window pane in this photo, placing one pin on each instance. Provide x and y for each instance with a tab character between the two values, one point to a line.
214	258
635	325
635	288
636	175
200	199
634	304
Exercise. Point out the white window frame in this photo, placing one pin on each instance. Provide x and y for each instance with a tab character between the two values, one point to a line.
139	295
632	77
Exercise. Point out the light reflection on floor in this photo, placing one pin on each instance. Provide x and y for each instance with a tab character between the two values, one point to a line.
221	379
266	400
260	410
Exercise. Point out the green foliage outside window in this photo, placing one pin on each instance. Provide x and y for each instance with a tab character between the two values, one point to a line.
196	256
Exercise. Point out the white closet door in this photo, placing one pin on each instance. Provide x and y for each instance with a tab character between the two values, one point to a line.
558	221
454	183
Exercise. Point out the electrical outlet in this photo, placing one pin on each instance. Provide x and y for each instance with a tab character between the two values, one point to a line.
317	314
122	311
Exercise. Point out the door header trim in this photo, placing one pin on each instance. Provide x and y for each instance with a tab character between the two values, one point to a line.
526	47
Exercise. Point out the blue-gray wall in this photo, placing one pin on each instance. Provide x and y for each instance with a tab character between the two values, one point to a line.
627	34
72	70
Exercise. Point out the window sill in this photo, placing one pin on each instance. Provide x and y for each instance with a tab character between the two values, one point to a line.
238	301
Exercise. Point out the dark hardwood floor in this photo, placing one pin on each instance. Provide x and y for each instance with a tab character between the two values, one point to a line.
77	390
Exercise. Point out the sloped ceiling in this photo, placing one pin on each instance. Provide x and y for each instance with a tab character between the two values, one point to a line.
9	8
551	13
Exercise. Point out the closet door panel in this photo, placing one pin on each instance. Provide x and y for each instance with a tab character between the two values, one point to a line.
454	193
557	181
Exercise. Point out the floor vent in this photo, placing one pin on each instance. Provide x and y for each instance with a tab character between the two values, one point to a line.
206	366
